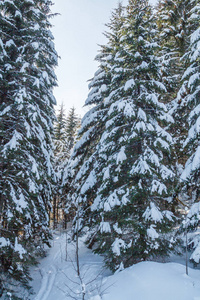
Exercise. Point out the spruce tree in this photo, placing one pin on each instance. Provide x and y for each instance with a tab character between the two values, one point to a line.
175	28
66	128
60	124
61	142
79	178
72	124
189	103
134	152
27	59
173	25
61	156
125	184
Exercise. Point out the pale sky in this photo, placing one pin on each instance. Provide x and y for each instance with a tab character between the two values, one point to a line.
78	31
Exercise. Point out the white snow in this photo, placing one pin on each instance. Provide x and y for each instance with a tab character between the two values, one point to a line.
129	84
125	198
151	232
163	143
46	76
18	14
143	281
5	111
140	126
97	202
106	173
4	242
35	45
196	254
9	43
55	276
121	155
111	202
160	85
89	182
194	112
128	110
32	187
14	142
24	67
84	138
37	82
193	79
154	281
105	227
143	66
141	167
116	228
118	105
141	115
192	164
89	117
169	215
21	203
152	213
18	248
117	245
166	173
96	298
158	187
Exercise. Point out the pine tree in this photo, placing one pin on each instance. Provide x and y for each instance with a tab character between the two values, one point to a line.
61	140
175	28
132	205
173	33
60	125
65	136
66	128
72	124
27	59
189	103
125	178
61	155
79	175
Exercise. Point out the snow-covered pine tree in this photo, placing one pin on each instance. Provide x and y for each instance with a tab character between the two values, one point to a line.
172	20
66	128
188	100
80	179
175	27
60	124
132	209
61	156
27	59
72	124
61	143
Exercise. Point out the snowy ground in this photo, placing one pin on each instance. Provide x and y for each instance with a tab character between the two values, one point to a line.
55	278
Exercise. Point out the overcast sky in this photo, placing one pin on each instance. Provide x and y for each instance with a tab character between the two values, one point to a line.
78	31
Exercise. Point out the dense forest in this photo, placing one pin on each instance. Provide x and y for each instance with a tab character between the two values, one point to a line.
127	174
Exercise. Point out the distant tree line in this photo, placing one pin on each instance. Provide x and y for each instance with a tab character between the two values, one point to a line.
65	130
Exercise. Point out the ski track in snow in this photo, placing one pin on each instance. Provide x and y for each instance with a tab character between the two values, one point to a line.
53	267
48	274
48	279
143	281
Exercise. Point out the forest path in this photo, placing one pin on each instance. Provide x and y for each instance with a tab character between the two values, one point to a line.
56	279
55	276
